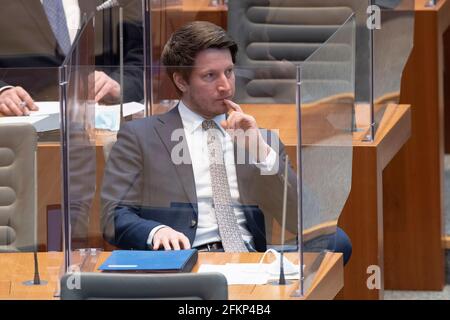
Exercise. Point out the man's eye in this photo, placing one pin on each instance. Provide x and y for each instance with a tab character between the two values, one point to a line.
209	76
229	72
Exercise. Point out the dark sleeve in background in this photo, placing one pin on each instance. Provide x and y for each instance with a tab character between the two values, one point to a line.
108	51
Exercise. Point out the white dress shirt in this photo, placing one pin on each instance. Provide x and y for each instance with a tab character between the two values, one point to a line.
72	11
196	138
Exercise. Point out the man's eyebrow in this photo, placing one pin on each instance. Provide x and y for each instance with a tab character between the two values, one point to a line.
231	66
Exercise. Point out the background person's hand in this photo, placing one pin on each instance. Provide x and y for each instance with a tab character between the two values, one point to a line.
16	101
170	239
107	90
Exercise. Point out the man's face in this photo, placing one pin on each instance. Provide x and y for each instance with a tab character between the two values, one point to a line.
211	81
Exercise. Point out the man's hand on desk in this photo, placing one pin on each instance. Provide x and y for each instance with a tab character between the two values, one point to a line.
15	101
107	90
170	239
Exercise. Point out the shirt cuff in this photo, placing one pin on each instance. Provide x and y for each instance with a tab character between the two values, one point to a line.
5	87
152	233
268	166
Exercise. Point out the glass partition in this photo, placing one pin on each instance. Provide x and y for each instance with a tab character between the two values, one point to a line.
161	183
327	96
392	44
41	189
77	87
103	87
154	185
115	190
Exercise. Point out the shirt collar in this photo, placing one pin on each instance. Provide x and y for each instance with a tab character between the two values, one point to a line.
192	121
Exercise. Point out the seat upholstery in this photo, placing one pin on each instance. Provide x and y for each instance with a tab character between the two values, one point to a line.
180	286
17	187
275	35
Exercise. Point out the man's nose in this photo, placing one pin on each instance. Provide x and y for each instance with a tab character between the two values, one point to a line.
224	84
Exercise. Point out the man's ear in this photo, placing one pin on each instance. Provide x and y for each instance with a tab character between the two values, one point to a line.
179	81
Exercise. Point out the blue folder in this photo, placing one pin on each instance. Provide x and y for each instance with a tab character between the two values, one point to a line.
150	261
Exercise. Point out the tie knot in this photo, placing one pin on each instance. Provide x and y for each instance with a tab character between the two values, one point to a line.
209	124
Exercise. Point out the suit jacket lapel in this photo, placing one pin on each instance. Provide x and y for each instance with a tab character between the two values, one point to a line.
36	12
169	122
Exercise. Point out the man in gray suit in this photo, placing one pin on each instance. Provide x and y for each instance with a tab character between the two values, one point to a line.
170	183
29	40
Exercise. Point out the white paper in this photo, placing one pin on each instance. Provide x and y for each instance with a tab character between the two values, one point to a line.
26	119
128	108
244	273
52	107
47	117
46	108
40	122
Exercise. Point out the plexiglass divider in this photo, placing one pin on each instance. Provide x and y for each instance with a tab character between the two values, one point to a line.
77	85
316	96
99	95
327	96
392	32
257	191
167	188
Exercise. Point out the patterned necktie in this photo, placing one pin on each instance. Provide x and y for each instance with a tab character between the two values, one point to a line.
56	17
226	219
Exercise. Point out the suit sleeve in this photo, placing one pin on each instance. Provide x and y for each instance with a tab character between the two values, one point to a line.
121	196
270	188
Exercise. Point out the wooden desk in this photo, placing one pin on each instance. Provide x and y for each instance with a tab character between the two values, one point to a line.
18	267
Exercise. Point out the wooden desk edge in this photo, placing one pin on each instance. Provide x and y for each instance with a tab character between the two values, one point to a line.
392	134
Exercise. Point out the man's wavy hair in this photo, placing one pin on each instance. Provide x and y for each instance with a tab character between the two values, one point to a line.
182	48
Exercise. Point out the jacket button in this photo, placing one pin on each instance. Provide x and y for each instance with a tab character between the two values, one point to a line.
193	223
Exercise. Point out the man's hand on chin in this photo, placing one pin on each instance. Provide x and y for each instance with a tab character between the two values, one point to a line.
244	129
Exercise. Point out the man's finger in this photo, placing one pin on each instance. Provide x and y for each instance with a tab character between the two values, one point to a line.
166	244
15	109
175	243
103	92
156	244
100	82
22	105
232	106
99	86
233	120
5	110
27	98
224	124
15	98
185	242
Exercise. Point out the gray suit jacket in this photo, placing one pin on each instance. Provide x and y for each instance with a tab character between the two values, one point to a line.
27	41
143	188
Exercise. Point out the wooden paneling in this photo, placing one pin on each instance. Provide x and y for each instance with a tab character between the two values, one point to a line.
360	219
48	186
165	22
413	181
362	216
49	192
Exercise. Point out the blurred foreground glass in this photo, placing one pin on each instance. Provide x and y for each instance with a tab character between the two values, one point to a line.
327	96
